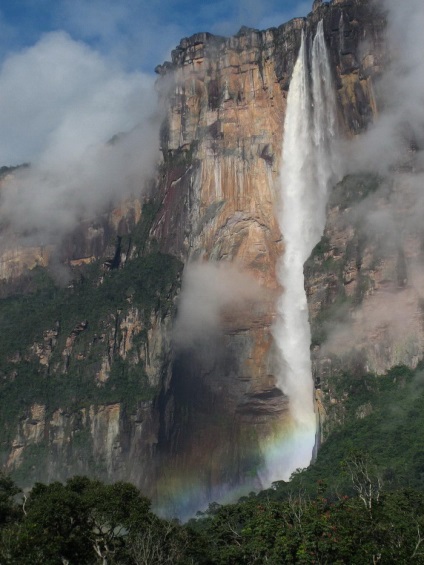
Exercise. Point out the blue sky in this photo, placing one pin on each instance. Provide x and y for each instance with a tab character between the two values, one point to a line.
138	33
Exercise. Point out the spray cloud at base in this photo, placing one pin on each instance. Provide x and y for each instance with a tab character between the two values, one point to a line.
308	168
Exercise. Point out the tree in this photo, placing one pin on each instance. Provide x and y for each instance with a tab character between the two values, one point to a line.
53	529
161	542
81	522
115	512
365	478
8	492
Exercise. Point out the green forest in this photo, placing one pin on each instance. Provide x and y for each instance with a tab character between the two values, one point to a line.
85	522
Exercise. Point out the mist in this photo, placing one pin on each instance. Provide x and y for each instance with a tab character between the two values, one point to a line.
61	104
399	127
207	289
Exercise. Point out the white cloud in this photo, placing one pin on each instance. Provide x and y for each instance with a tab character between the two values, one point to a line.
60	102
209	288
400	92
59	97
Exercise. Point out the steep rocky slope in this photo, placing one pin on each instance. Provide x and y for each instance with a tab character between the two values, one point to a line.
126	403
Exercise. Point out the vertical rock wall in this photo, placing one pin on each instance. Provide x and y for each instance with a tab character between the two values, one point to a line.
222	143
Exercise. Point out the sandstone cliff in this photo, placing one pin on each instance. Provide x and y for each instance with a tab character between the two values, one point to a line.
224	132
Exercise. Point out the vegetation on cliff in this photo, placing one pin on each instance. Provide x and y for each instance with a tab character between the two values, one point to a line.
55	337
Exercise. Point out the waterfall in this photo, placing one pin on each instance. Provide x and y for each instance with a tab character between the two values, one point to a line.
325	126
308	168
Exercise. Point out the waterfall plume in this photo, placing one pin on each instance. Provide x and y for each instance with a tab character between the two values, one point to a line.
308	168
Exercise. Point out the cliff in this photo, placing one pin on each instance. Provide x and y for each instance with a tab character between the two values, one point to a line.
226	115
102	389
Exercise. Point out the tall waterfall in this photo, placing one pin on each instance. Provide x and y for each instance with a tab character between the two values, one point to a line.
308	168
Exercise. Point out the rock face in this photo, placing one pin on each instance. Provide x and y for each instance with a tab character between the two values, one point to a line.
215	408
222	149
90	241
364	282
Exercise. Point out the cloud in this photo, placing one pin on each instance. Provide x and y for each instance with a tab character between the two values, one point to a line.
208	289
60	96
44	204
384	331
387	325
60	104
400	93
